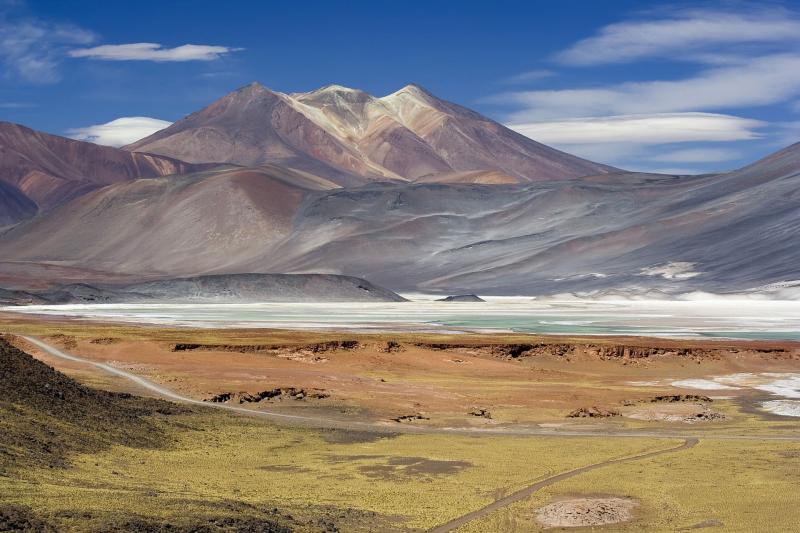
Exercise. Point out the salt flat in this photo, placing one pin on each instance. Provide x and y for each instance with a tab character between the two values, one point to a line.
714	317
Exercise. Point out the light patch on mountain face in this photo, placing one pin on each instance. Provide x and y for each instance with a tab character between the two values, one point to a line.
673	270
596	275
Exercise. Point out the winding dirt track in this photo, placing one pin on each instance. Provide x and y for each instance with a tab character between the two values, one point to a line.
380	427
529	490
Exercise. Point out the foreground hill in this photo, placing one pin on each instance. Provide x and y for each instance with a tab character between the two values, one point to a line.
352	137
49	170
50	420
36	398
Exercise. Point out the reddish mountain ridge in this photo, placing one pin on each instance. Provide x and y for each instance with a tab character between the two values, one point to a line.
50	170
352	137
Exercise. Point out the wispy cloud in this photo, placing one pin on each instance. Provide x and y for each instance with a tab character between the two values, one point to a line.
153	52
743	58
642	129
16	105
697	155
761	81
681	32
119	132
529	76
31	49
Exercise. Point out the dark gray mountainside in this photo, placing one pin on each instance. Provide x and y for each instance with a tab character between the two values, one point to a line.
726	232
14	205
230	288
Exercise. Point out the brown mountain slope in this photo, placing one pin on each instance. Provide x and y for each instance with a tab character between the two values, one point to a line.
51	170
189	224
253	126
352	137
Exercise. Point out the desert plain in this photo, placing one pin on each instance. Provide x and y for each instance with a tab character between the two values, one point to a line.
278	430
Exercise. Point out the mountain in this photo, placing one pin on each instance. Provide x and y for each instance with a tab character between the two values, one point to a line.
352	137
192	224
223	288
50	170
726	232
14	206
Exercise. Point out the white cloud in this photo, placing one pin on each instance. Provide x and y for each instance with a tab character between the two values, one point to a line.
153	52
762	81
697	155
642	129
747	56
683	32
530	76
16	105
119	132
31	49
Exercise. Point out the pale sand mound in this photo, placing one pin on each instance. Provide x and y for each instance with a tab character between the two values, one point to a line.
581	512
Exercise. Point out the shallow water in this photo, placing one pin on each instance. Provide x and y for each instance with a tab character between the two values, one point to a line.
746	319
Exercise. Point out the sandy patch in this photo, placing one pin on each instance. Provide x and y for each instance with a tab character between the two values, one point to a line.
701	384
582	512
783	407
673	412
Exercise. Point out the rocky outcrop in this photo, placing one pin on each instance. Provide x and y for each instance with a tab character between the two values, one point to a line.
593	412
279	393
673	398
276	349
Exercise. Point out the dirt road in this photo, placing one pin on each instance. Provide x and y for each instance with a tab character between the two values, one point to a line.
526	492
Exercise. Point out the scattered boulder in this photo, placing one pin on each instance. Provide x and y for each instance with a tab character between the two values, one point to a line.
392	346
223	397
410	418
706	416
484	413
672	398
104	340
593	412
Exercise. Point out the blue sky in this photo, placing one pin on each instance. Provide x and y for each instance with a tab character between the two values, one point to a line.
675	87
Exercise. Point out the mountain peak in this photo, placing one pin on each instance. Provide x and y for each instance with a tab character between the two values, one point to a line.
253	88
415	90
333	87
334	93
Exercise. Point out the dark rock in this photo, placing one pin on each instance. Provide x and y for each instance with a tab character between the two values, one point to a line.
462	298
593	412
